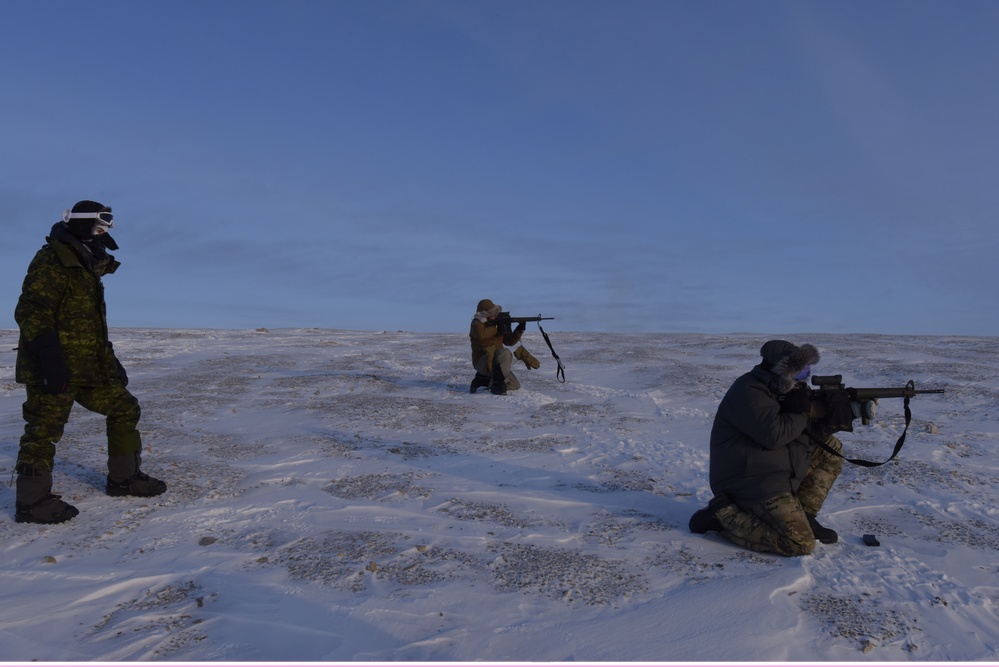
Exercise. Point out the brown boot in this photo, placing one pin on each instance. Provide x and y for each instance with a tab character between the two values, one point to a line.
529	360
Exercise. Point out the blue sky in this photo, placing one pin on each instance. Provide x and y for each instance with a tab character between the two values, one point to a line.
622	166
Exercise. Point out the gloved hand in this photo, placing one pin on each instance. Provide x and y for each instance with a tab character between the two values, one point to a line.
797	401
51	363
521	328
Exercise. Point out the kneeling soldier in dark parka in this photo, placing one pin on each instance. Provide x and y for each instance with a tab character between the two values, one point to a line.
768	474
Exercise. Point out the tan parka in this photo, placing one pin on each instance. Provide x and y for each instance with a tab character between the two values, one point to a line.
486	338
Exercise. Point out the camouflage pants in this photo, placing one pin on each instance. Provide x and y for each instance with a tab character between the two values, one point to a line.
779	525
45	417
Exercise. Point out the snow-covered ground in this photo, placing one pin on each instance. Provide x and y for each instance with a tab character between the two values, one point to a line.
340	496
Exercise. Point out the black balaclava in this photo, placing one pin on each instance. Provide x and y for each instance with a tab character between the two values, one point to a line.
83	228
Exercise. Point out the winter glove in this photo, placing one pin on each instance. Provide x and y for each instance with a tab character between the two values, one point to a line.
122	375
838	415
797	401
51	364
521	328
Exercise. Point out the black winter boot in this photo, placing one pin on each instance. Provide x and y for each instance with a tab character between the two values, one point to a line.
35	502
51	509
704	520
498	384
478	381
125	478
140	484
822	534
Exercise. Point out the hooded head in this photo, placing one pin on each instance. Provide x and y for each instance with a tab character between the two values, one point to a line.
485	309
88	219
786	361
488	307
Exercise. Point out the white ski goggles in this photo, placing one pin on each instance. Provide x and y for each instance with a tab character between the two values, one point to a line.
104	218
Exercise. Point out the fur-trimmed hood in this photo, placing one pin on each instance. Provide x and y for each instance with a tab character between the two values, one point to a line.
785	360
485	309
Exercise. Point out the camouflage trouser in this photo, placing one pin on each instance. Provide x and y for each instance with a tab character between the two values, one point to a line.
822	474
503	358
45	417
779	525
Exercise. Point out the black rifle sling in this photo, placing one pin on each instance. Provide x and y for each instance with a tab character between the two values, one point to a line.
862	462
560	371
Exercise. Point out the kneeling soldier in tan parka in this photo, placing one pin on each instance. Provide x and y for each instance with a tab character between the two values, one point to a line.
490	358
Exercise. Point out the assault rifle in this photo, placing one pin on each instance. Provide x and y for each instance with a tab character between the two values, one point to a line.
504	322
835	407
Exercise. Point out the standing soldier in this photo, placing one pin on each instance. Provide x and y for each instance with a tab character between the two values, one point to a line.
64	356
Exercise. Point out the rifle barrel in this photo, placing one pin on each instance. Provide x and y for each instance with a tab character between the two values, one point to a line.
866	394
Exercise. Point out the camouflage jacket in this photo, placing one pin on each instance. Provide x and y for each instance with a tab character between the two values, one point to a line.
63	292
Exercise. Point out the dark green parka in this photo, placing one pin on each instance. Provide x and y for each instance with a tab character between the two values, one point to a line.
63	293
758	452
